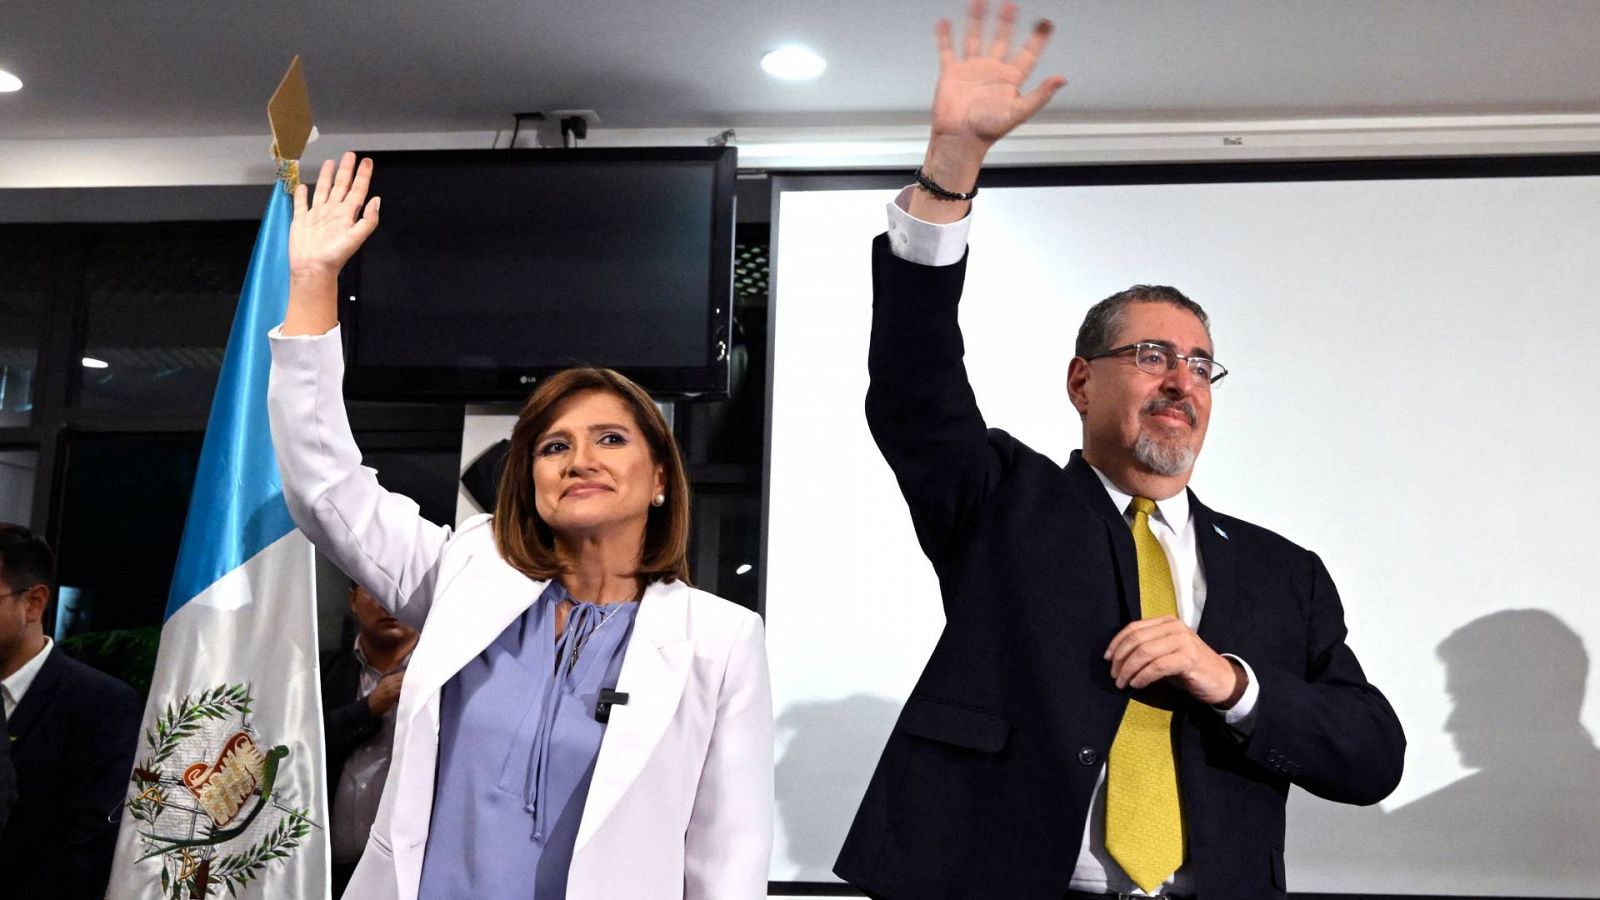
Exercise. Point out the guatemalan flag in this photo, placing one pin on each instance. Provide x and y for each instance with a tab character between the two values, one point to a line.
227	795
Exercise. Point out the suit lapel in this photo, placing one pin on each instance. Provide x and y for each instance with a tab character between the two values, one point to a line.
1217	561
1120	536
491	595
654	672
40	694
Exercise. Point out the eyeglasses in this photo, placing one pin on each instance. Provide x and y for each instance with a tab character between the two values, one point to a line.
1159	359
15	593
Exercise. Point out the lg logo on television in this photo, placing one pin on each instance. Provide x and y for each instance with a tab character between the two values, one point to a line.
528	379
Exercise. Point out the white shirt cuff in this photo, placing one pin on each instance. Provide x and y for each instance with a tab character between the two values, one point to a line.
925	243
1241	717
276	334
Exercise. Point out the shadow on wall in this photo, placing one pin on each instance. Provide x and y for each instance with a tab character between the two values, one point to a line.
1525	821
818	786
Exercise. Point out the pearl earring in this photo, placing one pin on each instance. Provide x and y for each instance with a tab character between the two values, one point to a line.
659	499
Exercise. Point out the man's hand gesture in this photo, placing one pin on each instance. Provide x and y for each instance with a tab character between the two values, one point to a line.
979	96
978	101
384	697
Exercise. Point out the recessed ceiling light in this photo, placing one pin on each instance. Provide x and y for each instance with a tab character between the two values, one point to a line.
9	82
90	362
793	64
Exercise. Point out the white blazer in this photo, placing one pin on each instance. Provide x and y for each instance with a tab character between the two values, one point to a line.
680	805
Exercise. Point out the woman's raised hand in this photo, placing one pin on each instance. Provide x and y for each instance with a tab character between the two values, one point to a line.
332	220
330	224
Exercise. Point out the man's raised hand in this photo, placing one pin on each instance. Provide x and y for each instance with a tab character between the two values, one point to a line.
979	96
977	101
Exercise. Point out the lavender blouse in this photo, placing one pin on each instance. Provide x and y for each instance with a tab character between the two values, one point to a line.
517	745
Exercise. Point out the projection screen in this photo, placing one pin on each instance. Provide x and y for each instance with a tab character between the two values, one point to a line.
1413	397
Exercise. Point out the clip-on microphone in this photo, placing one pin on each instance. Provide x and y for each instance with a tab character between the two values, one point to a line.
608	699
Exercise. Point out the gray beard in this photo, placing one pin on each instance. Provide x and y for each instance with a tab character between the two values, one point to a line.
1161	458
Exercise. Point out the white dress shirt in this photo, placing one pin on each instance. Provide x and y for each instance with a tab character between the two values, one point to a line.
14	687
928	244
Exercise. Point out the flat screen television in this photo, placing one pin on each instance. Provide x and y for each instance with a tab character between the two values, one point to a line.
492	269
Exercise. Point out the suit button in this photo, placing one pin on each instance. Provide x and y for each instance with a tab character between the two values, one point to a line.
1087	756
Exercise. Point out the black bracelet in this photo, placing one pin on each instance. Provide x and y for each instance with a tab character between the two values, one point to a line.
932	187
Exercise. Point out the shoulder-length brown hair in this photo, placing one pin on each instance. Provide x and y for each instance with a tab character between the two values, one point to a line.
523	538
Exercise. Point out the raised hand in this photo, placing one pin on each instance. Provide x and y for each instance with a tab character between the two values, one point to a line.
977	101
330	224
979	96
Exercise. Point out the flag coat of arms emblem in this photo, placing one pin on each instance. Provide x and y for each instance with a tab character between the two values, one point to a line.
227	797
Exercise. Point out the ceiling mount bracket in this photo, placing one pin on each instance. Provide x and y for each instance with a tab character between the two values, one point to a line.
554	128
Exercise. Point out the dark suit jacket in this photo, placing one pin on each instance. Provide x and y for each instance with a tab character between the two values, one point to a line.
74	736
984	787
8	773
347	721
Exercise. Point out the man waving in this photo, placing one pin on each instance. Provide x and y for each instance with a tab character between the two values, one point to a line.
1128	682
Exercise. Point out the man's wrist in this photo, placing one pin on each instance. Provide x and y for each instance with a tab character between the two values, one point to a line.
1241	681
940	192
954	162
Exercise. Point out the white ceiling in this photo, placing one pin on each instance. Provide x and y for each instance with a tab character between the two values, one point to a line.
125	68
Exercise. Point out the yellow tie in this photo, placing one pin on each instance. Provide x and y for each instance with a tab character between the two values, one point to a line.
1144	826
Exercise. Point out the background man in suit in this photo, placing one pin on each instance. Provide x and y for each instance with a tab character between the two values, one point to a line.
73	733
1076	731
8	773
360	687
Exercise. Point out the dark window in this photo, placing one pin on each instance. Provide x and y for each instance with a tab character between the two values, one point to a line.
123	503
160	307
18	469
725	558
24	278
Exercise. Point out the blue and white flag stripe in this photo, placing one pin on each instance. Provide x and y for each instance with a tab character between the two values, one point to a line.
237	507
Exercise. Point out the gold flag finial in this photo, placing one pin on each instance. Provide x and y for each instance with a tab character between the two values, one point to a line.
289	111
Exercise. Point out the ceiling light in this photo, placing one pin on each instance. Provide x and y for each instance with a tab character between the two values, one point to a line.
90	362
9	82
793	64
